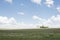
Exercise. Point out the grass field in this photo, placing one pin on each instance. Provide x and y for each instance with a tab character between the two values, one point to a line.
30	34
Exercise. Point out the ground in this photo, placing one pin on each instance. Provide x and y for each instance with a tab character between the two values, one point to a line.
30	34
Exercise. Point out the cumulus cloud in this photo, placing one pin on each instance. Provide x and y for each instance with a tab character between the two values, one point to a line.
36	17
7	23
53	22
11	23
36	1
21	13
9	1
58	9
6	20
49	3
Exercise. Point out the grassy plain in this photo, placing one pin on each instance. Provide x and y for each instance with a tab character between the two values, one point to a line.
30	34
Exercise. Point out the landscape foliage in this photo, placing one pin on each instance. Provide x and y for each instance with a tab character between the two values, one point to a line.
30	34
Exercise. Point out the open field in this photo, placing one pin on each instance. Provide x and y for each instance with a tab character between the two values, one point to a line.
30	34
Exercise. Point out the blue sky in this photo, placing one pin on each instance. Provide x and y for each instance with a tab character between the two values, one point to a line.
30	11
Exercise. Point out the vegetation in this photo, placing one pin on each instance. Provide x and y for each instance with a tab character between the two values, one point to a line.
30	34
43	26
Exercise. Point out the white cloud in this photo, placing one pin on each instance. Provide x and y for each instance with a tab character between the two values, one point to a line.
17	26
21	13
49	3
6	20
11	23
53	22
25	26
9	1
58	9
36	1
36	17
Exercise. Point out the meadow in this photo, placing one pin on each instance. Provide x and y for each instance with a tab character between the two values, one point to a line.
30	34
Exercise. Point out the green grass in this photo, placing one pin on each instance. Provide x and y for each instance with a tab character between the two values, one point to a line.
30	34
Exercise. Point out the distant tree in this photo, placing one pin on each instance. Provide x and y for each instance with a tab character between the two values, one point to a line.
43	26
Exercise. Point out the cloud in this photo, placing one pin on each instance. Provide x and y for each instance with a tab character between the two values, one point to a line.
21	13
11	23
18	26
9	1
36	17
25	26
58	9
6	20
49	3
52	22
36	1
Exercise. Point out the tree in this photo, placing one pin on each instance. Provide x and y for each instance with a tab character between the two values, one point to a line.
43	26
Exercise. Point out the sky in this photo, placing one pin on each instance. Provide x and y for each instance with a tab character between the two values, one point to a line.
26	14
